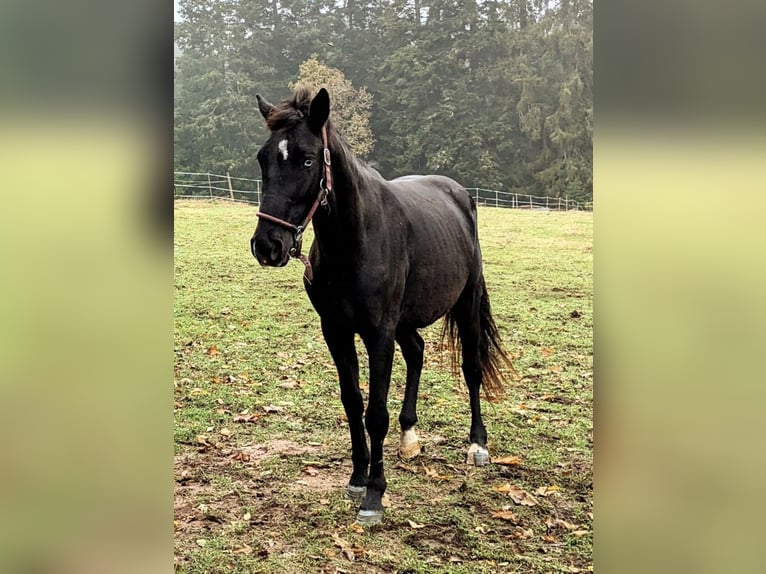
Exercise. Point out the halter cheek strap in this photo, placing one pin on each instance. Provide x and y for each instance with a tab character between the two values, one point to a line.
325	188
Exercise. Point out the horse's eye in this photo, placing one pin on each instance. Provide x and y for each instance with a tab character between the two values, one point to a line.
308	163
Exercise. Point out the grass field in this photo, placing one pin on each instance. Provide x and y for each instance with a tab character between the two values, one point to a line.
261	440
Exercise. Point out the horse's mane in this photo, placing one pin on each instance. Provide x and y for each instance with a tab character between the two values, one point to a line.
288	112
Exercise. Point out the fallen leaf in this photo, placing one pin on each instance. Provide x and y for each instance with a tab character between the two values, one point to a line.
521	533
432	473
546	352
202	440
201	542
555	369
506	515
580	533
547	490
197	392
273	409
225	432
244	550
310	470
415	525
407	467
507	460
518	495
548	538
358	528
213	351
289	385
344	546
251	418
552	523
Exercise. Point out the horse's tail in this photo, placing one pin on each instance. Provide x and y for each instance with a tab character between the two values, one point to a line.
494	361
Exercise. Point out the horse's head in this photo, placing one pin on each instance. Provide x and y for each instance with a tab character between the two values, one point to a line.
291	170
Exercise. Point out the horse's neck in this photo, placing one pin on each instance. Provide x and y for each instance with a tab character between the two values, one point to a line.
352	204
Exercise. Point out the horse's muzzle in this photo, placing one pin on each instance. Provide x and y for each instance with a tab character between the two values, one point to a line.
269	252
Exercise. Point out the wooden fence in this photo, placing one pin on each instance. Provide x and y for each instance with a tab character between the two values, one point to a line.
214	186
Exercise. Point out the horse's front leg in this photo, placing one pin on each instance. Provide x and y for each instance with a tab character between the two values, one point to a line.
340	341
380	348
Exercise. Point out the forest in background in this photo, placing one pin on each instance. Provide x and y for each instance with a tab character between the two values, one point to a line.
493	94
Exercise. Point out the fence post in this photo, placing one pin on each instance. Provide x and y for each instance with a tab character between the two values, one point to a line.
530	203
258	191
231	191
209	186
496	205
558	207
546	202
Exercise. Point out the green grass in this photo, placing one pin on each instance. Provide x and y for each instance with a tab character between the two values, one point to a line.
267	495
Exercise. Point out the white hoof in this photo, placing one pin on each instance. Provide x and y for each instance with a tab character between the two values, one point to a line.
409	446
477	455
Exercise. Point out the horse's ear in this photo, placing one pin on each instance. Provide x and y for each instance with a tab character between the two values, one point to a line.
319	111
264	106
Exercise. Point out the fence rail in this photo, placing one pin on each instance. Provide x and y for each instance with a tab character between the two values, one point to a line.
215	186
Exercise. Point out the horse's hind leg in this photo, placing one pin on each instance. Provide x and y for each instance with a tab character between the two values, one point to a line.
466	315
412	347
341	344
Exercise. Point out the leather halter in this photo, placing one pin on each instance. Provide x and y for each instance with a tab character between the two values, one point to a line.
325	188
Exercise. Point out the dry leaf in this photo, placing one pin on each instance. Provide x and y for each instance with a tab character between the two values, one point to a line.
558	522
244	550
212	350
580	533
407	467
273	409
202	440
521	533
246	418
555	369
432	473
505	515
518	495
547	490
241	456
507	460
289	385
415	525
225	432
546	352
550	539
311	471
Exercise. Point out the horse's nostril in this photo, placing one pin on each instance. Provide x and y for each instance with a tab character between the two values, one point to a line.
277	249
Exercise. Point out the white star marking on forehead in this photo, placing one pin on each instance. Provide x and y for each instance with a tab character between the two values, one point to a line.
283	149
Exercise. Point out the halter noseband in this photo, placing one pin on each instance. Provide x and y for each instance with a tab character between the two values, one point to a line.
325	188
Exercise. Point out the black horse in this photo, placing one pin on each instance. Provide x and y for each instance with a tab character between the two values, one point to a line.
389	257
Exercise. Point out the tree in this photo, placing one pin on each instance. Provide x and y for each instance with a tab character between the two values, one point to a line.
350	107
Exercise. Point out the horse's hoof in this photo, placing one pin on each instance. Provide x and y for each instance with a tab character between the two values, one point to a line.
369	517
409	451
409	446
356	493
477	455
